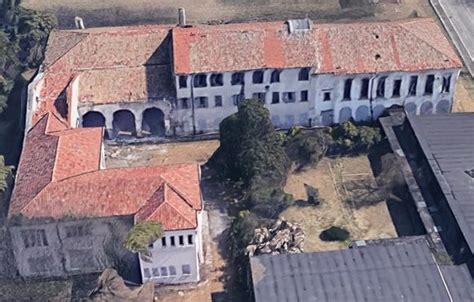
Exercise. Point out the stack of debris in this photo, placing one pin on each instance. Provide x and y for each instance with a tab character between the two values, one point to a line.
283	237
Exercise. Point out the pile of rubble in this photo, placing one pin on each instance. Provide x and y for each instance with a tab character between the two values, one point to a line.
283	237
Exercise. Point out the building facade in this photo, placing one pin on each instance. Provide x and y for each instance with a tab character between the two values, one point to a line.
166	80
69	214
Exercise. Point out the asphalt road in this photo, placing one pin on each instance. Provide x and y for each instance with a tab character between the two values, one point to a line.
458	19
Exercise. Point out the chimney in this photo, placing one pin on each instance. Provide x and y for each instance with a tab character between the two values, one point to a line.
181	17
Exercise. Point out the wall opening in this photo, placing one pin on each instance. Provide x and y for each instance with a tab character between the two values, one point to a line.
347	89
397	84
124	123
381	87
61	104
443	106
364	90
429	84
426	108
257	77
413	84
362	114
153	122
93	119
345	114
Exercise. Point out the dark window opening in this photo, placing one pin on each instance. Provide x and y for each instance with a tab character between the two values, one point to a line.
381	87
396	88
172	241
413	85
304	74
327	96
163	241
164	271
347	89
61	104
275	78
181	240
429	84
446	84
183	81
172	270
364	91
237	78
201	102
257	77
304	96
186	269
34	238
190	239
184	103
200	80
155	272
236	99
217	79
259	96
218	101
275	98
288	97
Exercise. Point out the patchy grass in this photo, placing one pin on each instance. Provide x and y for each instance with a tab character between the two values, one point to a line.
17	290
331	177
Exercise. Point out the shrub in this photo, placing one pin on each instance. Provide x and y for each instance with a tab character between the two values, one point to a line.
308	147
313	195
142	235
349	138
334	233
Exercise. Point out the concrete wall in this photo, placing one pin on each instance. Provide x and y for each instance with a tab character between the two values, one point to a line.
66	252
169	258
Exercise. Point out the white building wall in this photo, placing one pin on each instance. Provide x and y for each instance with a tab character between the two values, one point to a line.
167	262
74	113
33	98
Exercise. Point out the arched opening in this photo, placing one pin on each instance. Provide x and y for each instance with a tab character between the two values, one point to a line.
410	108
443	106
378	111
426	108
93	119
345	114
153	122
362	114
124	123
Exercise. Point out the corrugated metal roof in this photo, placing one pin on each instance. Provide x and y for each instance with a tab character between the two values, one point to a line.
403	271
448	143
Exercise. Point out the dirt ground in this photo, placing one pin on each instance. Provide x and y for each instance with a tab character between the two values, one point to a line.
122	12
464	95
332	178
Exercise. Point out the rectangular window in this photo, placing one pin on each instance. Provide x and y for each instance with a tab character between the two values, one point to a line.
76	231
396	88
381	87
303	74
186	268
327	96
34	238
155	272
183	103
237	78
446	84
163	241
164	271
259	96
304	96
413	85
218	101
275	77
347	89
429	84
216	79
181	240
183	81
200	80
201	102
172	241
172	270
364	90
257	77
190	239
275	98
288	97
236	99
146	273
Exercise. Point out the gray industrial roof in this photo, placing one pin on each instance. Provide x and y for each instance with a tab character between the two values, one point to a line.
447	141
404	271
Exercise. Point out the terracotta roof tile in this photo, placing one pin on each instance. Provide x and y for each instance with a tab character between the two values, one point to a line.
59	176
350	48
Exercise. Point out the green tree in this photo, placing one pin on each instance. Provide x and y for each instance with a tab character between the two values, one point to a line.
142	234
4	172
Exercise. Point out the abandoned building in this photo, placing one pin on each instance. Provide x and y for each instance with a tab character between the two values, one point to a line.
69	214
387	270
164	80
437	158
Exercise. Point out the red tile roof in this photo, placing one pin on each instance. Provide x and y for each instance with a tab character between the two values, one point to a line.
407	45
59	176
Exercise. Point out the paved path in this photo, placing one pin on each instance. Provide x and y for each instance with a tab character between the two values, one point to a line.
457	17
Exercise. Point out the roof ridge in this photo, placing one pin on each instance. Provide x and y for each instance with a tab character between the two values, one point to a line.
422	38
165	184
181	194
83	36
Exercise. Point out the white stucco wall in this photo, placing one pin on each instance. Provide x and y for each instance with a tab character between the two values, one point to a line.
164	257
34	89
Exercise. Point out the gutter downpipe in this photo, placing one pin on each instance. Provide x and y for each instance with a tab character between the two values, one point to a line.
371	92
192	105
